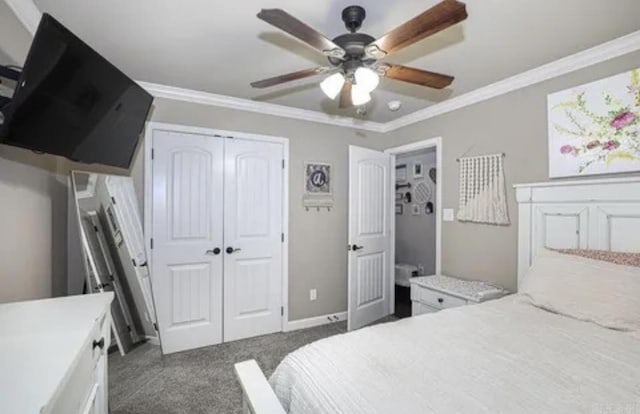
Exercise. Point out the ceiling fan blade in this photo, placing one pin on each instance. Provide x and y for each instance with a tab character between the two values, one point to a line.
277	80
284	21
345	95
439	17
417	76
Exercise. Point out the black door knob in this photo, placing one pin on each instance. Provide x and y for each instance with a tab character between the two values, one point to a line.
216	250
98	344
440	300
356	247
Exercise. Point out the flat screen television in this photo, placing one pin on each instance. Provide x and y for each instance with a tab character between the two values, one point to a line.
70	101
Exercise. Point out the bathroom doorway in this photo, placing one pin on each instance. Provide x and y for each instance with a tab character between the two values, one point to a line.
416	222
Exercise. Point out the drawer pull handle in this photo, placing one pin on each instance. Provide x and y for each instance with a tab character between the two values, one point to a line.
98	344
440	300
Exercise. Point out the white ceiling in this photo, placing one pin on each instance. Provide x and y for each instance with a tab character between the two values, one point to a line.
220	47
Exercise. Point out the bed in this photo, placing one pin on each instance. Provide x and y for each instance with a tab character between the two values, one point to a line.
511	355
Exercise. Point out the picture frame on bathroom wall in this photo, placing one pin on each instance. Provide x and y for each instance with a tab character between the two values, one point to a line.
401	173
398	209
418	170
415	209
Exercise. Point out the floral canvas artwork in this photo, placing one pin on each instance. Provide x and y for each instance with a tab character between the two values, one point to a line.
595	128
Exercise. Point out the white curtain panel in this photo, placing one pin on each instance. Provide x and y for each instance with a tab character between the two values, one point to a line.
482	190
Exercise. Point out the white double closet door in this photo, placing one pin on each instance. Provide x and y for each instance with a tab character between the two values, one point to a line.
217	238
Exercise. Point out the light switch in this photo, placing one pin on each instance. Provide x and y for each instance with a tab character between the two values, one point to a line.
447	214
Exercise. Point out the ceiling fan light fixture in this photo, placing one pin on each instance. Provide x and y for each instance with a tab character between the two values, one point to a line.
359	95
332	85
367	79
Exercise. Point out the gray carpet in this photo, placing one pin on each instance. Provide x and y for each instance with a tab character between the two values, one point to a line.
200	380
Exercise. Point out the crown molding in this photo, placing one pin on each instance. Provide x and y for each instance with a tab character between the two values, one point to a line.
223	101
597	54
29	15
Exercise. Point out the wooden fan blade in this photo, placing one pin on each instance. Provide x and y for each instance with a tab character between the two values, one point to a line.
345	95
418	76
276	80
284	21
439	17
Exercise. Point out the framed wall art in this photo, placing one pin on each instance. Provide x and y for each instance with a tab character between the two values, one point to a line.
401	173
595	128
318	190
417	170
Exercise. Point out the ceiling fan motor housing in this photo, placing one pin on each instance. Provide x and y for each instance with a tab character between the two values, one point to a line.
353	43
353	16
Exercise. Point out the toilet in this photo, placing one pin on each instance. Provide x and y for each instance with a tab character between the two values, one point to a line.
404	272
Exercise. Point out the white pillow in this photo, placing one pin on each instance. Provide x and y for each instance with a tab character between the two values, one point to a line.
589	290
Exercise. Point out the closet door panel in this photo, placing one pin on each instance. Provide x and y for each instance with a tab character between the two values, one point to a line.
253	245
187	226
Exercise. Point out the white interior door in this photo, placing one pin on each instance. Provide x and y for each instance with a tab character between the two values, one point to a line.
253	238
187	228
369	236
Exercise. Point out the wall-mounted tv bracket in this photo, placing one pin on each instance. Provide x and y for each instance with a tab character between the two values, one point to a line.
7	73
10	72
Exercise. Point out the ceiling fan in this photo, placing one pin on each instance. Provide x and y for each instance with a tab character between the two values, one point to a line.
355	69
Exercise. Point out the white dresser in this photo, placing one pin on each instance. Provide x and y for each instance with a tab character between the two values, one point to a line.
437	292
53	355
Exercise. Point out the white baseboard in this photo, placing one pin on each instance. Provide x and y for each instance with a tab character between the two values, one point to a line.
315	321
153	340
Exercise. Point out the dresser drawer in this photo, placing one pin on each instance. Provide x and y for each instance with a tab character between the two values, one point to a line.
75	393
437	299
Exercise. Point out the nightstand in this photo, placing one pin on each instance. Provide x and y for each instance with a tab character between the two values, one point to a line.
437	292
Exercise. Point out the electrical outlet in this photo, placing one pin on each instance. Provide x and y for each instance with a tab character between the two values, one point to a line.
447	214
313	294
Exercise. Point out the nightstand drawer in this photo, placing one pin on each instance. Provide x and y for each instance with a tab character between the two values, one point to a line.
439	300
418	308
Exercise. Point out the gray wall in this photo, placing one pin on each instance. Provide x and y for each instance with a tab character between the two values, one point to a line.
317	240
29	201
515	123
416	235
32	223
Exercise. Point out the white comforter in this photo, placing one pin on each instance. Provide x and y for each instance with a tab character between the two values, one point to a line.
503	356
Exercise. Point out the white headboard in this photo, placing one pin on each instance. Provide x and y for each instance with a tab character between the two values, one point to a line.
594	214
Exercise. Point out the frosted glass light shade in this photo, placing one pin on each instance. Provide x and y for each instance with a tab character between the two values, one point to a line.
332	85
367	79
359	95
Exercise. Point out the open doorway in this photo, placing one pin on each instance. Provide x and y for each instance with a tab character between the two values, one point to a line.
416	222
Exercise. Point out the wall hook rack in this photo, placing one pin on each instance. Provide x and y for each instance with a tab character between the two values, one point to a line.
399	186
318	208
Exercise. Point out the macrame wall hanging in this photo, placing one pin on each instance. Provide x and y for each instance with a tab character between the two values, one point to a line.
482	190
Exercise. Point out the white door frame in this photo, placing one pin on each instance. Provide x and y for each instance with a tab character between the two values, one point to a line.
219	133
416	146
